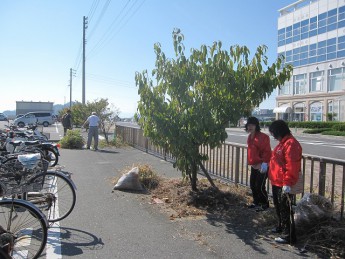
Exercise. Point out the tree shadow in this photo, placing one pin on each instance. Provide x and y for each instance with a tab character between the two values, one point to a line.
229	210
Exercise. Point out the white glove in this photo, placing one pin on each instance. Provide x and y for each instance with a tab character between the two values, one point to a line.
264	168
286	189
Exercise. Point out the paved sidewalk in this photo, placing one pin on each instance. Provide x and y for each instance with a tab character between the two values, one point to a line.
133	222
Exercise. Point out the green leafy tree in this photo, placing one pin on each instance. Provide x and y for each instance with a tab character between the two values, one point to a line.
191	100
107	113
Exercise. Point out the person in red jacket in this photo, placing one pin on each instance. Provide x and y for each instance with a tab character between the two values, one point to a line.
285	165
258	156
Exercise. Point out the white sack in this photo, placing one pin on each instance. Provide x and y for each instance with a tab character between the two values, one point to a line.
129	181
310	210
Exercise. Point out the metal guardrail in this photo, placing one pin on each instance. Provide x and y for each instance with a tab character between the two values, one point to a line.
321	175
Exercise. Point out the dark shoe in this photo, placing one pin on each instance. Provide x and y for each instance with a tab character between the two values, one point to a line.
261	208
277	230
252	206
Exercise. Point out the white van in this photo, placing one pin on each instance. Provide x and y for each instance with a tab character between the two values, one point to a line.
43	118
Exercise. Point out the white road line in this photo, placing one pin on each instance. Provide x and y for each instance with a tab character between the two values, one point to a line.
53	247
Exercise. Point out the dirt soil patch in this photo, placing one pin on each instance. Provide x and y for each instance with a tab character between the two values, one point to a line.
229	202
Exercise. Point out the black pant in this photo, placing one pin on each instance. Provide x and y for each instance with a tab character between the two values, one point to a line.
282	204
65	130
258	186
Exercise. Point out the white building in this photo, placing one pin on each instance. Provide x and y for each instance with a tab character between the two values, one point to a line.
311	36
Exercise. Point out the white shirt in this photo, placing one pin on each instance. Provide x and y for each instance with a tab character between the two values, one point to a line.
93	121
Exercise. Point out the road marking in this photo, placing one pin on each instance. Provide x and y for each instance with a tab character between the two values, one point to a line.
306	142
53	247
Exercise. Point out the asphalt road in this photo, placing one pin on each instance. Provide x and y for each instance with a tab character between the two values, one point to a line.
316	145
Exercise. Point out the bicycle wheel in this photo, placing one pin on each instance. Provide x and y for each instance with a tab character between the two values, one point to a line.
27	227
57	197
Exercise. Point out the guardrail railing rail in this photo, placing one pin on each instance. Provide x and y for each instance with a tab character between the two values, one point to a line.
321	175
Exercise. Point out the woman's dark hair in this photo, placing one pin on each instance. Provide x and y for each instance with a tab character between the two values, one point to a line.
279	128
253	121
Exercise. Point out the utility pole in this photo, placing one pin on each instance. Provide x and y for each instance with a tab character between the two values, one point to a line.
71	73
84	43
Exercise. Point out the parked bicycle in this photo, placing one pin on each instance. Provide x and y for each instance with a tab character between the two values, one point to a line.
54	193
23	227
11	143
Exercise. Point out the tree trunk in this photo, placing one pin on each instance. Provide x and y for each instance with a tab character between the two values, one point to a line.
207	175
194	175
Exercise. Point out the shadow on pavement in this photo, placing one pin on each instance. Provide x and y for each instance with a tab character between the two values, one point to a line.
73	239
107	151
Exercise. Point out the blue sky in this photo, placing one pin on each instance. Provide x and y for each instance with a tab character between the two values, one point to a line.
41	40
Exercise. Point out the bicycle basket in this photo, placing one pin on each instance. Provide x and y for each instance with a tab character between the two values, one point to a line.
29	161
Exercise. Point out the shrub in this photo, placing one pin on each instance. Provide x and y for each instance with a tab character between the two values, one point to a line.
115	142
313	124
316	131
72	140
339	127
334	133
147	177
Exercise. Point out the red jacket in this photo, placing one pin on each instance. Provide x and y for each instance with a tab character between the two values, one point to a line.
259	149
285	162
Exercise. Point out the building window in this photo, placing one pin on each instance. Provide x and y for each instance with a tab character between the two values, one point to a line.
316	111
336	79
333	110
285	89
299	112
316	81
322	23
299	83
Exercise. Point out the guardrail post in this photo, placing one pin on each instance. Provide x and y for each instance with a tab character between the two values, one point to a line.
133	137
165	152
322	178
237	165
146	145
342	195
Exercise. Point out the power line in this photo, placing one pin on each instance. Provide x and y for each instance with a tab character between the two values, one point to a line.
110	81
78	58
110	27
109	34
104	9
93	9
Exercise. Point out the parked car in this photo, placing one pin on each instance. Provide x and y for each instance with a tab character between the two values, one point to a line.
43	118
19	115
3	117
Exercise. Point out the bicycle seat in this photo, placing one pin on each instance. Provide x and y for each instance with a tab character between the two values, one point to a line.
31	142
15	143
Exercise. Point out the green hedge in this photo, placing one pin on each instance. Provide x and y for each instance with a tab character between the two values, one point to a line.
339	127
315	124
316	131
335	125
334	133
